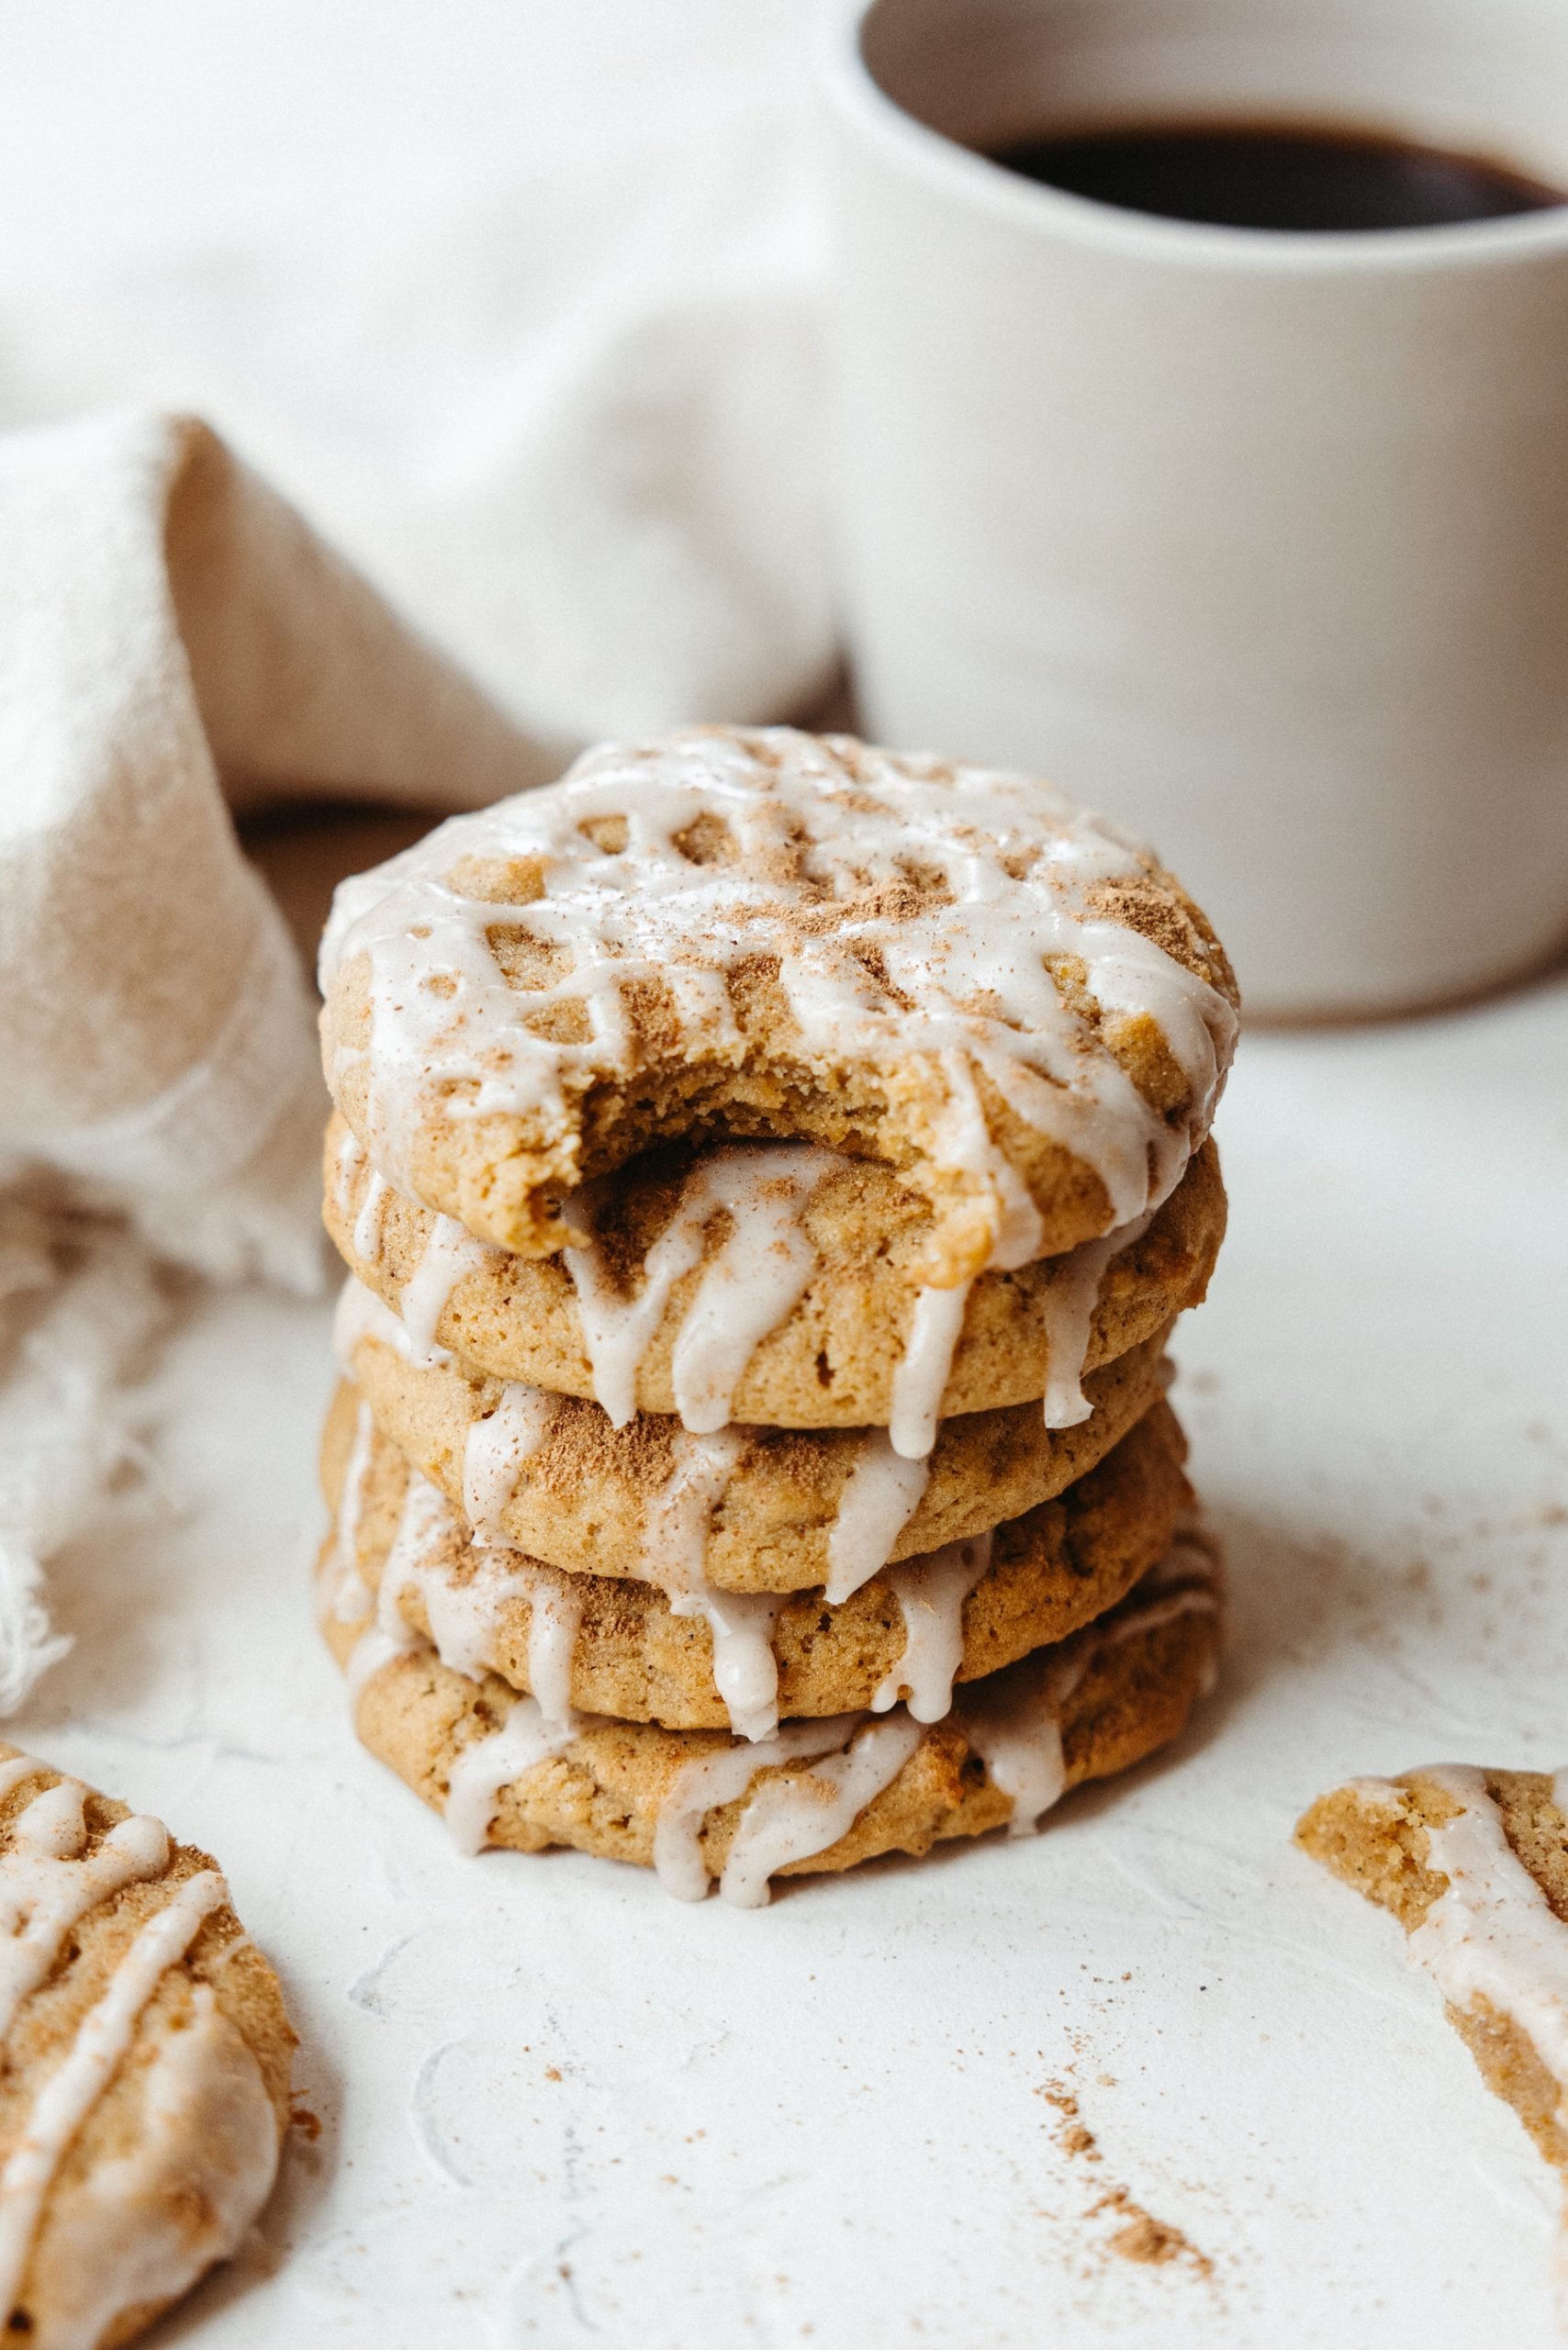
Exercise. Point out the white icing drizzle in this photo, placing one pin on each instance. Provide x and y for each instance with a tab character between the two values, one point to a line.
48	1881
920	1378
740	1624
360	1314
1017	1731
495	1450
746	1671
341	1596
721	1778
366	1235
554	1618
750	1283
348	1160
488	1764
103	2037
422	1522
463	1617
676	1525
931	1592
1018	1737
1493	1934
880	1495
130	2234
1071	1297
790	1818
448	1254
957	975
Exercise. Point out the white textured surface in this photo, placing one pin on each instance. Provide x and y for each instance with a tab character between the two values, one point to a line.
558	2105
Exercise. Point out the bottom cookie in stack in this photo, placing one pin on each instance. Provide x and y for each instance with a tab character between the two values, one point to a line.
1080	1638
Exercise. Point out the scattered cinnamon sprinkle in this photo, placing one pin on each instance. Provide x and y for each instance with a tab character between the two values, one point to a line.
1144	2238
1141	2237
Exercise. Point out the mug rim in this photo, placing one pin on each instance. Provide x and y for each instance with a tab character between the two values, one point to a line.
1037	206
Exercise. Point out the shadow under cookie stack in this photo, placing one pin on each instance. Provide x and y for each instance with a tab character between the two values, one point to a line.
768	1170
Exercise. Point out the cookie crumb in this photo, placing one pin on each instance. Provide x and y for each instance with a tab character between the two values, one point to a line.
308	2124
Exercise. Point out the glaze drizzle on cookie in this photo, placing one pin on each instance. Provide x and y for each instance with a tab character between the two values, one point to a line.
51	1883
919	917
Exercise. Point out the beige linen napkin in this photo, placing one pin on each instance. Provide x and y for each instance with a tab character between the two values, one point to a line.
172	638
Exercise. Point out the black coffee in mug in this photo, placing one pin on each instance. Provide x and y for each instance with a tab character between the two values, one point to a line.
1286	175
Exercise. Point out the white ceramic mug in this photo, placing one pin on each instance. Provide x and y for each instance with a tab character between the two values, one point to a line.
1257	540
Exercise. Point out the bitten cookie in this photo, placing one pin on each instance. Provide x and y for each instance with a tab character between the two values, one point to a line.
1474	1865
690	1657
950	970
147	2054
815	1260
819	1796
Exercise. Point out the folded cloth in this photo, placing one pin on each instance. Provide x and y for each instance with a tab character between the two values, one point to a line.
520	303
173	636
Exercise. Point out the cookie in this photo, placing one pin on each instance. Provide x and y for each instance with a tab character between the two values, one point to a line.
690	1657
1474	1865
639	1320
778	1508
821	1796
951	971
147	2053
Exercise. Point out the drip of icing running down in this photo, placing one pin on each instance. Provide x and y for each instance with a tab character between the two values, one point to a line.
740	1624
920	1378
721	1778
366	1235
464	1617
487	1765
956	968
341	1596
99	2047
554	1618
448	1254
750	1282
360	1314
350	1159
799	1813
1018	1737
1017	1731
1071	1297
132	2235
48	1881
424	1519
880	1495
931	1593
494	1452
1493	1935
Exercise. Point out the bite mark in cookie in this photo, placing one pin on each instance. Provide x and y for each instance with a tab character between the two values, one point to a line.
948	969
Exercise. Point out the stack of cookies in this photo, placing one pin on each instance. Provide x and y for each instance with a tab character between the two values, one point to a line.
768	1170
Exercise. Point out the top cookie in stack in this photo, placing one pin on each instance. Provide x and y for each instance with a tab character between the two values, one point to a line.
762	1158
